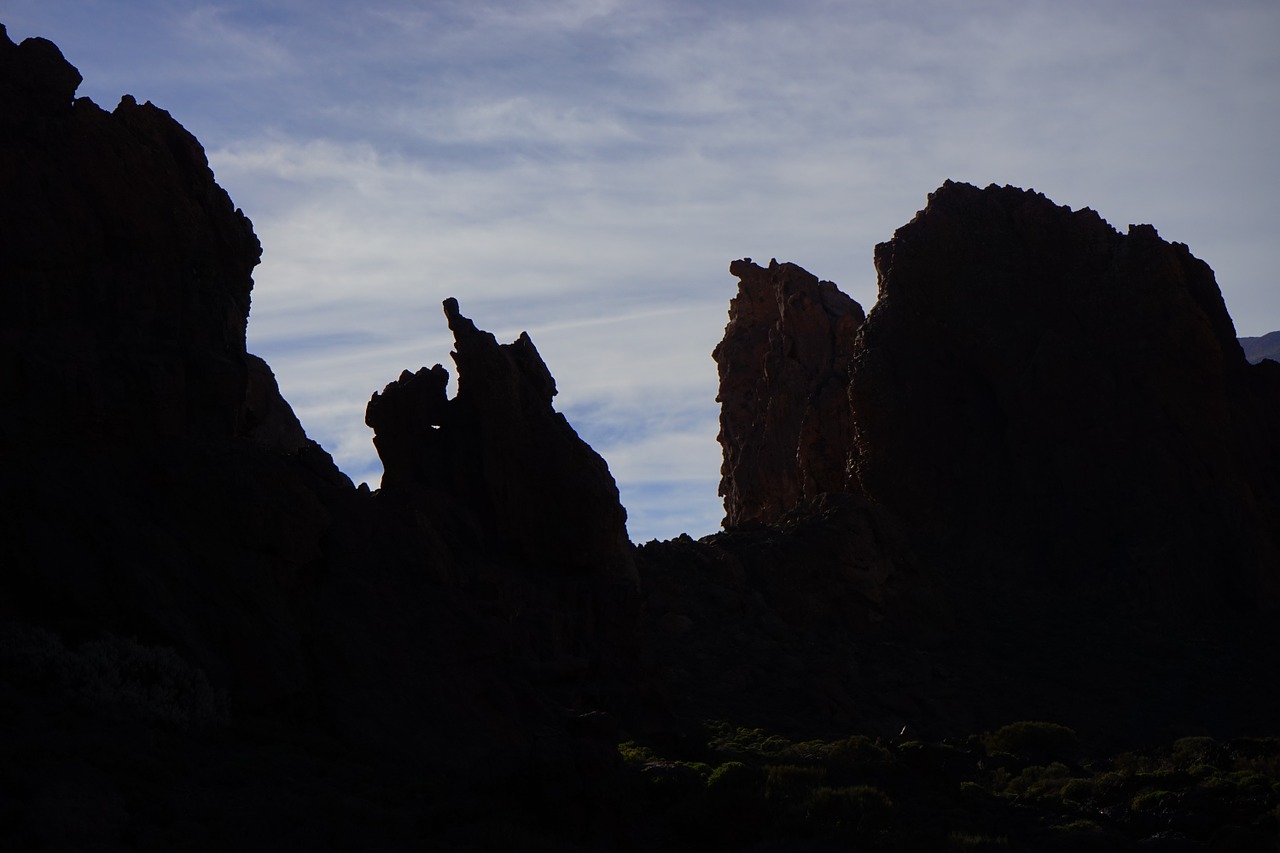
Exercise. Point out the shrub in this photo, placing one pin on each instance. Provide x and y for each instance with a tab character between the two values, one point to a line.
669	784
791	783
1036	742
636	754
117	676
1153	801
1041	782
148	683
861	808
978	841
1077	791
734	779
858	753
1189	751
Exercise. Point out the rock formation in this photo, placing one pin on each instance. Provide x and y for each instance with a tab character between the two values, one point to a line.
943	514
164	504
1052	399
784	373
142	328
500	453
1036	394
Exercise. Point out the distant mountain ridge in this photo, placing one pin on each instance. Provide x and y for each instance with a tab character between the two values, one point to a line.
1267	346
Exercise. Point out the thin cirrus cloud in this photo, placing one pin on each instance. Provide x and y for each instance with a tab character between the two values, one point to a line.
586	169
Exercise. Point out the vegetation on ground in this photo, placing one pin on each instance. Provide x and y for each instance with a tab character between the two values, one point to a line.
1027	785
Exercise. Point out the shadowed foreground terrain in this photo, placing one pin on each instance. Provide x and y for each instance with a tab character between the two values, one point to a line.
1000	566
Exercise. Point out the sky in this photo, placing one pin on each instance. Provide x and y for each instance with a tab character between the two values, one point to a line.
586	170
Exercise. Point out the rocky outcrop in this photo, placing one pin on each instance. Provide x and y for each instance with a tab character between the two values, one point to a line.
168	521
1066	406
784	373
499	453
128	267
935	514
1052	404
155	471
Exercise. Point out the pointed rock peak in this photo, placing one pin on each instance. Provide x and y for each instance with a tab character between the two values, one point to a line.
783	367
500	454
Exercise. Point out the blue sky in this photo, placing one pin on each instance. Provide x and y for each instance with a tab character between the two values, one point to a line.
587	170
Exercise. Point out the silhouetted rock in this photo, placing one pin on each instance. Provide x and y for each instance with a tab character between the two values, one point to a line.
129	266
1066	407
160	492
784	375
156	473
936	516
1059	464
1053	405
501	453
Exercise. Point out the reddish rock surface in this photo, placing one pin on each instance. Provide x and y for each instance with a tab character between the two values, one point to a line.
784	372
1052	406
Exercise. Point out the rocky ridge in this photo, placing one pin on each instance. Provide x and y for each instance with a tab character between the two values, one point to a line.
1038	479
1266	346
164	500
1033	392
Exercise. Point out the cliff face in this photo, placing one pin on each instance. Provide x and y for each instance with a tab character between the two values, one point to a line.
159	491
113	330
144	447
1045	401
941	514
1053	399
784	414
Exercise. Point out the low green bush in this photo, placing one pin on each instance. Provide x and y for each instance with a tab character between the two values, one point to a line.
1153	801
734	779
1035	742
792	783
860	808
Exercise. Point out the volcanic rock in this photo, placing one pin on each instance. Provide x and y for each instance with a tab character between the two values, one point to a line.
784	374
144	446
1067	407
171	532
115	330
501	454
1050	404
